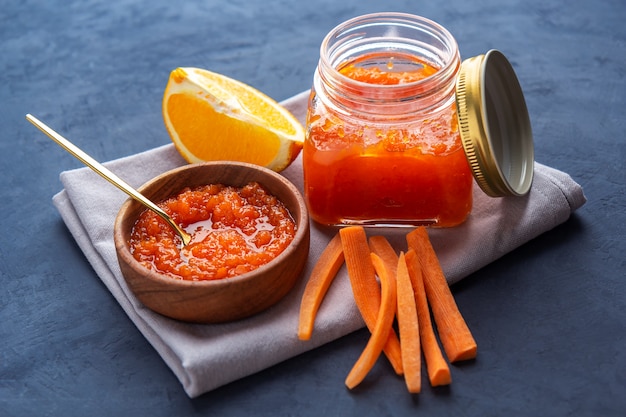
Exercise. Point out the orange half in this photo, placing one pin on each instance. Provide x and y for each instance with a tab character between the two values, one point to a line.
211	117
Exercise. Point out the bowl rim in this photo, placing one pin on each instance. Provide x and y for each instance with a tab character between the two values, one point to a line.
302	229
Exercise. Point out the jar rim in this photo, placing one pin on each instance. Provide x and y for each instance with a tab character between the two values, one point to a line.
351	34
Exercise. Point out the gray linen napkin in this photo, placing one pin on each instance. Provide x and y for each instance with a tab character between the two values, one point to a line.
205	357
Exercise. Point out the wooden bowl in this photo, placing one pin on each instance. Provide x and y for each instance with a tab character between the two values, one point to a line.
226	299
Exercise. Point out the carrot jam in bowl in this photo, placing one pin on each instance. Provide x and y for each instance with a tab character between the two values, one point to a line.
250	242
234	230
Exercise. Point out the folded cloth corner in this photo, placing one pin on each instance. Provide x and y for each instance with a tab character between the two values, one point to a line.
205	357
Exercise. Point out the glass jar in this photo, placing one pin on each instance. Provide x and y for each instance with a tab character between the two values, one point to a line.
383	144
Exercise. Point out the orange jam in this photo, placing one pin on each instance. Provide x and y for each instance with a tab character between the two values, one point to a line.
234	231
386	169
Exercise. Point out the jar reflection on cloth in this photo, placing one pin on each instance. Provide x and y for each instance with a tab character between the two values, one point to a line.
386	154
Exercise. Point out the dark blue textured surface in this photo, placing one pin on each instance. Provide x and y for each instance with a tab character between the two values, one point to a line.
550	318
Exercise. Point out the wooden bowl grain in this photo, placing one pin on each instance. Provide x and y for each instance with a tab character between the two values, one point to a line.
221	300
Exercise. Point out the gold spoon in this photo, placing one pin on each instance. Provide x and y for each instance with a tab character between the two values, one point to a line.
108	175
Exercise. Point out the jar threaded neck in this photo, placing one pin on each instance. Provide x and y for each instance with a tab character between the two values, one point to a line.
391	37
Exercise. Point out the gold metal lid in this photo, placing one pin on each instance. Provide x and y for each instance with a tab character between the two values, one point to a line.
495	126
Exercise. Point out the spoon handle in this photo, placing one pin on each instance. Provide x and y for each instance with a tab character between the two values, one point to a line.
105	173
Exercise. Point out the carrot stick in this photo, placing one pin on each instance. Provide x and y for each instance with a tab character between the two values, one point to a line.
438	369
381	247
408	327
366	290
384	321
457	340
321	277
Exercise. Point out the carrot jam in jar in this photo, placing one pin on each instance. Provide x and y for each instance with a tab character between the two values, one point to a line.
234	231
383	145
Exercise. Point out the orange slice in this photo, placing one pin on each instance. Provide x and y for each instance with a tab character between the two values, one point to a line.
211	117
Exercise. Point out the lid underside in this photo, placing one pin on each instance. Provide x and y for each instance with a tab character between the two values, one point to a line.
495	126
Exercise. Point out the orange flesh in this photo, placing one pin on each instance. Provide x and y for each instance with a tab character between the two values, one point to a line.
194	116
358	172
234	231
